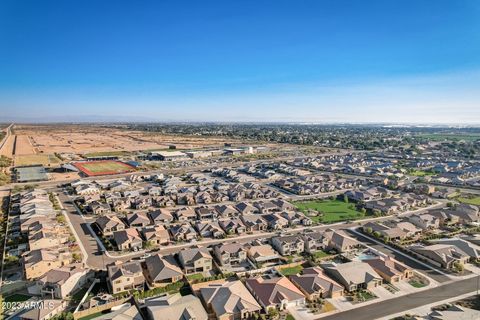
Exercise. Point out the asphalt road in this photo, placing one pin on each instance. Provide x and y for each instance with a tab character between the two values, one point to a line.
407	302
95	258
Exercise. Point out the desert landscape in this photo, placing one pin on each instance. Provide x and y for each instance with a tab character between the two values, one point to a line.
44	144
83	139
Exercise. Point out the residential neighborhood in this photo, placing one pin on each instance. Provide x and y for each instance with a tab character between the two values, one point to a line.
307	238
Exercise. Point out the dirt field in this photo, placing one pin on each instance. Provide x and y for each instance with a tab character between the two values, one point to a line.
43	159
97	168
23	145
83	139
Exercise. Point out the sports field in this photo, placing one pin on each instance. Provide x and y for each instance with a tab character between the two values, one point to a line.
104	167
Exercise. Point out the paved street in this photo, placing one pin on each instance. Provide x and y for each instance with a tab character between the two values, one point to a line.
95	258
407	302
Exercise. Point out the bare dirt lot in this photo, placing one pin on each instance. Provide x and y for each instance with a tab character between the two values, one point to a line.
83	139
23	146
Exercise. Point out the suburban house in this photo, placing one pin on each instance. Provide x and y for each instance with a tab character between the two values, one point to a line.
229	300
279	292
204	213
246	208
230	254
354	275
138	220
425	221
161	216
315	284
209	229
462	245
465	213
232	226
128	239
38	262
262	254
59	283
226	211
288	245
99	208
121	204
162	270
109	224
195	260
390	269
156	235
295	218
275	221
442	255
313	241
125	276
175	307
183	232
254	223
46	237
186	214
339	241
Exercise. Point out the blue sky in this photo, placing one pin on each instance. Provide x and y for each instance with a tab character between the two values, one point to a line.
315	61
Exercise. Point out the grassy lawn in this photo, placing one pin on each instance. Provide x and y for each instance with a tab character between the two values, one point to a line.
195	276
470	200
320	254
331	210
362	296
416	284
289	317
421	173
289	271
17	298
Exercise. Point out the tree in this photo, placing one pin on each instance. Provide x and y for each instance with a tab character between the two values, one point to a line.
459	267
148	245
368	230
345	198
76	257
61	218
272	313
